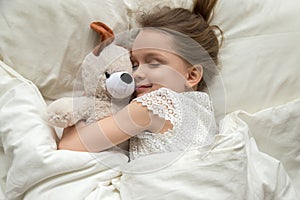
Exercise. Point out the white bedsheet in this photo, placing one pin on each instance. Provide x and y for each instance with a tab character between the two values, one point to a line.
234	168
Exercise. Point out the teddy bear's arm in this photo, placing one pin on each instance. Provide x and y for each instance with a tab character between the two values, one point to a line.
68	111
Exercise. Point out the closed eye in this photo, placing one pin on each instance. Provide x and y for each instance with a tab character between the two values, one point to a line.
154	61
154	64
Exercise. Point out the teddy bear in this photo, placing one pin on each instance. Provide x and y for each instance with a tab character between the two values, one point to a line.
106	80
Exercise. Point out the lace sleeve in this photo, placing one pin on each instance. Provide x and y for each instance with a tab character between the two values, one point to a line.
162	102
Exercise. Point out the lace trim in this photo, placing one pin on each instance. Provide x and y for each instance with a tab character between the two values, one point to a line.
165	104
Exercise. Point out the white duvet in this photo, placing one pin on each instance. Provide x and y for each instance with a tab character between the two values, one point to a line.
233	168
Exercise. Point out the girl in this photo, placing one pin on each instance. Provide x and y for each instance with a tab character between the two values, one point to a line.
173	58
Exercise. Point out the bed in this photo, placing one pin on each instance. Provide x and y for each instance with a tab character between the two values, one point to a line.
255	156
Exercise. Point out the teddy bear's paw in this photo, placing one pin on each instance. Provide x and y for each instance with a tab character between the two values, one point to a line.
62	121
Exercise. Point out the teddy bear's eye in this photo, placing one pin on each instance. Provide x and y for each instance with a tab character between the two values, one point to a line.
107	75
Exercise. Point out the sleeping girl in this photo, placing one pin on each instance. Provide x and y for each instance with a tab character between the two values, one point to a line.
173	56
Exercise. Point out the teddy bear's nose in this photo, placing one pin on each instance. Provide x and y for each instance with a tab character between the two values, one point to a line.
125	77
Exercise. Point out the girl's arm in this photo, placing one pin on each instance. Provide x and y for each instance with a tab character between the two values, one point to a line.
110	131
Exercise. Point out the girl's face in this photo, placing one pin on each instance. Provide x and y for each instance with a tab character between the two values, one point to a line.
156	65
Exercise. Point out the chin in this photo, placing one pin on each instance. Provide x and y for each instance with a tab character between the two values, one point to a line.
140	94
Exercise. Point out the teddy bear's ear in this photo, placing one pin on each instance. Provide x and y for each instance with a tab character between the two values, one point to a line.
103	30
106	36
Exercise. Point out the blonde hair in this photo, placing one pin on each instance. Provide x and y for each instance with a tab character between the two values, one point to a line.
193	25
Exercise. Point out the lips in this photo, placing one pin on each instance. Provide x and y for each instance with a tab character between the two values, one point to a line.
142	88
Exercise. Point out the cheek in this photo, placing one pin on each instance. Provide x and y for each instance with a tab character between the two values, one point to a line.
168	77
155	76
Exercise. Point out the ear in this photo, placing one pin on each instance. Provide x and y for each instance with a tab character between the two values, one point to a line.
103	30
194	75
105	33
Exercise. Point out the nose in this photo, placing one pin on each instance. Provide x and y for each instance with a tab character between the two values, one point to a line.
139	73
125	77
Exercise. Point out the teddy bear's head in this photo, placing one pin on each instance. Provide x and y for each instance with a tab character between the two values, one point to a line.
106	72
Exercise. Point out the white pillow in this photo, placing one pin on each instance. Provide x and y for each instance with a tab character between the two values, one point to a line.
259	58
46	41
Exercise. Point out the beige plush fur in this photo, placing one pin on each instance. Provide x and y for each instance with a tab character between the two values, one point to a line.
96	103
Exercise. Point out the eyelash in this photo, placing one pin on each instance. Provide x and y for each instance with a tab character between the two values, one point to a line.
154	64
151	63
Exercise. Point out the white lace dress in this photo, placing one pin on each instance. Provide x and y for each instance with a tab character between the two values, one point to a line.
191	115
